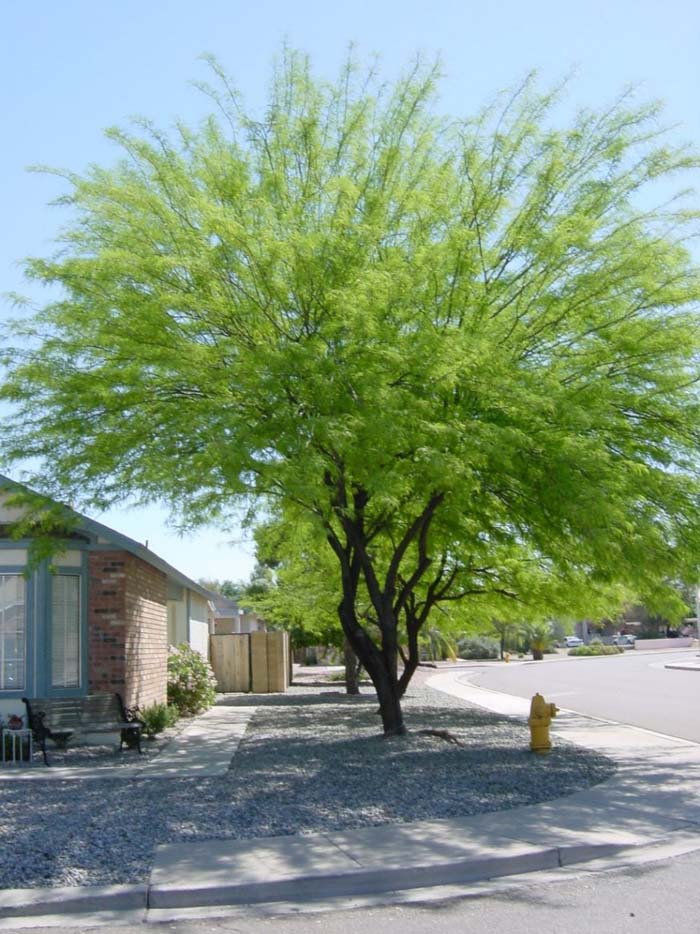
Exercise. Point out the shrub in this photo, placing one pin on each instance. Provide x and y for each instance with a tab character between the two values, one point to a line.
478	647
157	717
191	682
596	648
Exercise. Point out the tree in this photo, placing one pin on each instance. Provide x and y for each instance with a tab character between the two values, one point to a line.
539	636
465	350
232	590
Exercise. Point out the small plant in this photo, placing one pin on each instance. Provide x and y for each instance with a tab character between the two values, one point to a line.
157	717
596	648
191	682
336	676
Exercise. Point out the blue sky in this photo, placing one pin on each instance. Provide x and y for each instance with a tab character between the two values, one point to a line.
70	69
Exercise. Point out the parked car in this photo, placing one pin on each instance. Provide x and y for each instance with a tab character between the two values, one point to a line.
573	641
624	639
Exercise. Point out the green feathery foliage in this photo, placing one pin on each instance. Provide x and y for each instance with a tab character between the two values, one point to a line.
465	350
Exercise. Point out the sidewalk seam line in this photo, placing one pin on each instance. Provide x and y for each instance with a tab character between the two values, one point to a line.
343	851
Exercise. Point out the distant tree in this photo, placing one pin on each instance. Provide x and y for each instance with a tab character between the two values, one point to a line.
465	350
503	629
232	590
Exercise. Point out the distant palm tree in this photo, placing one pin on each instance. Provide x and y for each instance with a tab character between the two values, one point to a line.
438	646
539	635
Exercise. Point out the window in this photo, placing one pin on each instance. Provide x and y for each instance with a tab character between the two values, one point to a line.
13	627
65	631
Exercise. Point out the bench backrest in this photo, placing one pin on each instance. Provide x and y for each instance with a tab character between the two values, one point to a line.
65	713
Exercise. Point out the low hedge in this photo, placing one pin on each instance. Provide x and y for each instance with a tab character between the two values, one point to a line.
477	647
597	648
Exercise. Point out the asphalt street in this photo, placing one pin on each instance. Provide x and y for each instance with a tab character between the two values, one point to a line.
634	688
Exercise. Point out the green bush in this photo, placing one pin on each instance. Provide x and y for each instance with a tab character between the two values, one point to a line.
157	717
191	682
478	647
596	648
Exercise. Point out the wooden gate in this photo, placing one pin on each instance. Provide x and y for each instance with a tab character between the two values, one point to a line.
256	661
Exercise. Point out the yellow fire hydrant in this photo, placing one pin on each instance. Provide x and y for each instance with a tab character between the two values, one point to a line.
541	714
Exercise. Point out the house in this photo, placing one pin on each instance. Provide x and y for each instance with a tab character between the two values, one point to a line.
229	617
100	618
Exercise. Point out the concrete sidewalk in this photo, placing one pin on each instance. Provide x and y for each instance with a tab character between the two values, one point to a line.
650	809
204	749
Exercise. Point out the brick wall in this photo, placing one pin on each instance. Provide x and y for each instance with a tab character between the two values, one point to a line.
127	627
147	633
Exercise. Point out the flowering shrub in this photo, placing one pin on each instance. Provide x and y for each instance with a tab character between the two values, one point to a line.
191	682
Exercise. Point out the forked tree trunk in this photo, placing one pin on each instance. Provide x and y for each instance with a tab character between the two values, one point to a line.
381	668
388	598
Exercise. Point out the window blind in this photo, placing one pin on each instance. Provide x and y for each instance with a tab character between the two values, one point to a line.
13	624
65	631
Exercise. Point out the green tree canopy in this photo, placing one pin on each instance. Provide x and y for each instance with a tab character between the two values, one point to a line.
460	347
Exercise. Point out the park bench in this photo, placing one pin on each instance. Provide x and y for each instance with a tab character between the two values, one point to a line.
59	718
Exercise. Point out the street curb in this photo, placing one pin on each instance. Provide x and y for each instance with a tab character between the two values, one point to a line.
73	899
78	900
600	862
360	882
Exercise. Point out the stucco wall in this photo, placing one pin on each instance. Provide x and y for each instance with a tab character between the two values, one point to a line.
199	624
8	513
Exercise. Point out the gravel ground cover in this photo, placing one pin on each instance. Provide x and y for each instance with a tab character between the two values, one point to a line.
311	761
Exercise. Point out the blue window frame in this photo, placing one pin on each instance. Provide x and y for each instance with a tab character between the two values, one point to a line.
43	630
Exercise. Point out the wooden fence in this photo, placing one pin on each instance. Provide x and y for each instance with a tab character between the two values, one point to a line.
257	661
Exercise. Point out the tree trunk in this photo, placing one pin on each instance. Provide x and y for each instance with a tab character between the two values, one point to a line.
380	666
388	598
390	705
352	679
